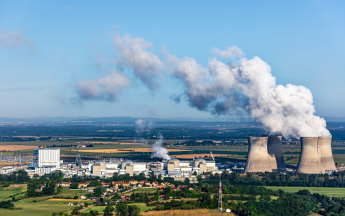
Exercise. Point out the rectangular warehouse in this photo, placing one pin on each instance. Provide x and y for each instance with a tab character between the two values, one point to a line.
48	157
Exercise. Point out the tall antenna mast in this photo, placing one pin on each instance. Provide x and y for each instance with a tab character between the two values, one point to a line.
220	203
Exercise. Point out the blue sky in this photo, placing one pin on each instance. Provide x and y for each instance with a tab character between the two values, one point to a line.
303	42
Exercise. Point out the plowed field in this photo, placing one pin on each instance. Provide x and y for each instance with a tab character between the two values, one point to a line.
16	147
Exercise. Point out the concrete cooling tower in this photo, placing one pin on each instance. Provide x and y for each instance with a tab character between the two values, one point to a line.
327	161
310	160
316	155
258	159
274	149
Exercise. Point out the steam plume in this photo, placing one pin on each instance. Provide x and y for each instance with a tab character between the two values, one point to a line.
133	54
159	151
105	88
241	86
247	85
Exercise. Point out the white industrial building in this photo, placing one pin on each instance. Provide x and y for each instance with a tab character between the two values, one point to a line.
48	157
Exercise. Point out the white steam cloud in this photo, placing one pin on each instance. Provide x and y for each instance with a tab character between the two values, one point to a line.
133	54
159	151
142	127
241	86
104	88
248	85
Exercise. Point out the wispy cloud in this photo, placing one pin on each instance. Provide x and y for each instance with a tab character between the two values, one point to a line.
104	88
12	40
133	53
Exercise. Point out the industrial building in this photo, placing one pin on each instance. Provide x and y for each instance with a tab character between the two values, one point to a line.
46	160
122	167
171	168
47	157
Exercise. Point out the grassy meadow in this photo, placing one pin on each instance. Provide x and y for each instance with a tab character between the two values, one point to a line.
41	208
141	190
331	192
5	193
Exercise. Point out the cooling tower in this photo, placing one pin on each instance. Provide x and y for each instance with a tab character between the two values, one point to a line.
310	159
273	162
327	161
258	159
274	149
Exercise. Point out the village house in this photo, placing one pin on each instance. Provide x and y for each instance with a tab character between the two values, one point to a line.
64	184
117	183
82	185
133	182
105	184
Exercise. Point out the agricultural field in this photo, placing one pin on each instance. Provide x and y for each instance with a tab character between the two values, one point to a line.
141	190
100	209
191	156
128	147
122	150
94	208
143	207
5	193
16	147
193	212
72	192
40	208
331	192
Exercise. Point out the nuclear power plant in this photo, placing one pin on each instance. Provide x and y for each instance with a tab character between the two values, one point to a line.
316	155
265	155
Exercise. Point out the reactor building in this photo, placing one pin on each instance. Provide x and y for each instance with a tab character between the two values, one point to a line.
316	155
46	160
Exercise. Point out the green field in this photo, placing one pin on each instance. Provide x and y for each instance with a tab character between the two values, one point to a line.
100	209
331	192
43	205
141	190
5	193
145	190
40	208
143	206
95	208
72	192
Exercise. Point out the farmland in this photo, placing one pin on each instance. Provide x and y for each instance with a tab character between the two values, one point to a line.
6	193
40	208
184	140
331	192
124	148
194	212
40	205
